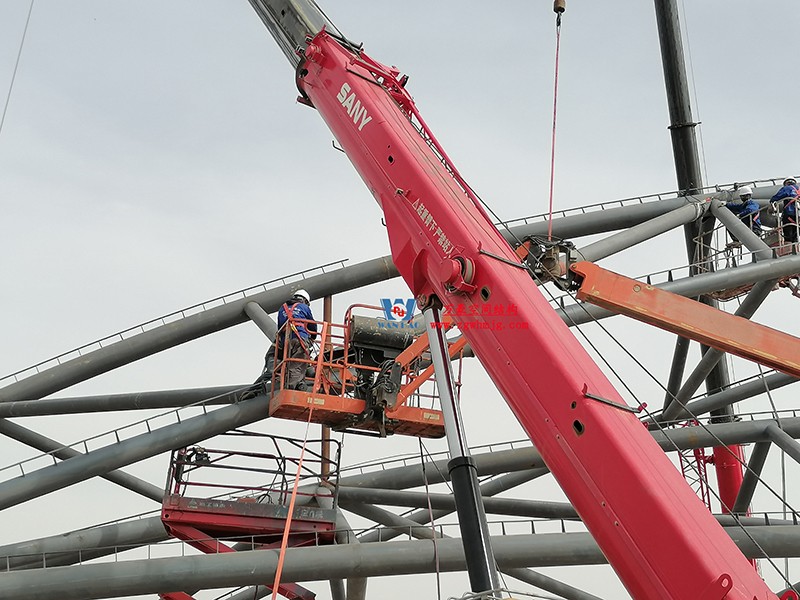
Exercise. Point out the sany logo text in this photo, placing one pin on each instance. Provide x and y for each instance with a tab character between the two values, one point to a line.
353	106
399	310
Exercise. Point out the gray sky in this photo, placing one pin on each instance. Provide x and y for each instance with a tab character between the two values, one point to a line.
153	153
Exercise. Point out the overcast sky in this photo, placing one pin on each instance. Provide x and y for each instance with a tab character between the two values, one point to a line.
153	156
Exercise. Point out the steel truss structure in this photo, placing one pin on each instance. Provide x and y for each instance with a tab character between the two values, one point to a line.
92	563
366	495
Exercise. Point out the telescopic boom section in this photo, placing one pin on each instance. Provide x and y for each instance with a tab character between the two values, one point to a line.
648	522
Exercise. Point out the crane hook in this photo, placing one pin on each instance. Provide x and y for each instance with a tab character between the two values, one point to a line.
559	6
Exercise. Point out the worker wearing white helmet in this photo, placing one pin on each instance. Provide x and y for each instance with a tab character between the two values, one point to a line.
294	337
746	209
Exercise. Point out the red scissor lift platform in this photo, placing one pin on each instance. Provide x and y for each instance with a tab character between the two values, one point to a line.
369	375
221	500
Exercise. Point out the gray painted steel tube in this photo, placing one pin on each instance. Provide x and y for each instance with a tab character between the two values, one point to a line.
413	529
190	328
549	584
599	221
642	232
490	488
752	475
45	444
323	563
735	394
259	316
503	506
114	456
113	402
347	278
84	544
786	442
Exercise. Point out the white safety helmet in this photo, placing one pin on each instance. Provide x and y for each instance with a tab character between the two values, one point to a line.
745	191
302	294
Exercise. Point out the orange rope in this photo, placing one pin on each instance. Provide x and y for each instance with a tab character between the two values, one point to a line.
285	540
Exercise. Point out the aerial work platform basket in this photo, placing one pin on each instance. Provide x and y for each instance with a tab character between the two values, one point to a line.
224	500
369	375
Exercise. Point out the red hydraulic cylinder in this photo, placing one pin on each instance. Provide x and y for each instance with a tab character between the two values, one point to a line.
654	530
728	461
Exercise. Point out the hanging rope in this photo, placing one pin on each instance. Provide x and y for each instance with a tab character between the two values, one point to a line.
16	66
559	6
285	540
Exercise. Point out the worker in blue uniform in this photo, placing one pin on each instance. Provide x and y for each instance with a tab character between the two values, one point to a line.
785	200
297	336
747	209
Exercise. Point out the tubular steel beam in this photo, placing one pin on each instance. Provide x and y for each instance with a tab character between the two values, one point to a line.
643	231
502	506
406	526
330	562
347	278
735	394
677	368
489	488
751	477
112	402
45	444
785	441
259	316
82	545
114	456
190	328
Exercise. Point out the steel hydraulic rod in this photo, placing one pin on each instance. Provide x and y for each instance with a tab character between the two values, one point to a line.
128	578
463	474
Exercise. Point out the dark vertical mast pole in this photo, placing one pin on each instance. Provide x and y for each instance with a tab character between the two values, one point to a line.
690	181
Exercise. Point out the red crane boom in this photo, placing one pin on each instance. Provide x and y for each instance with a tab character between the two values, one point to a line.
655	532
